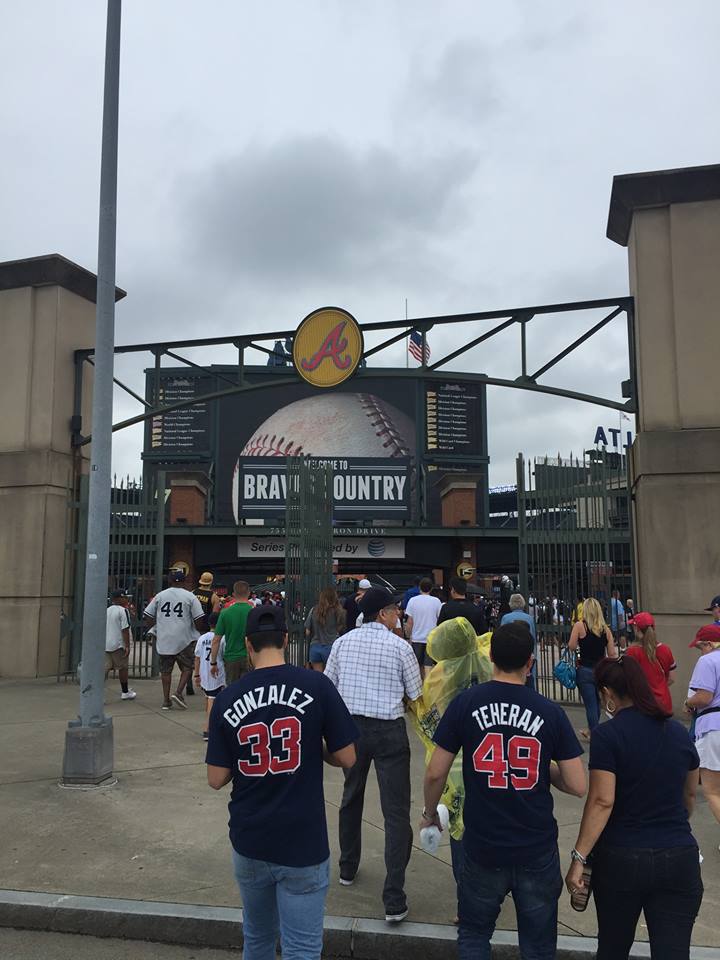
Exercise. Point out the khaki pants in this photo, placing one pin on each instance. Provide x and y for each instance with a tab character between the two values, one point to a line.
234	669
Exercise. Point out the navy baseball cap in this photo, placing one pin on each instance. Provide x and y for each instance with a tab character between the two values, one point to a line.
715	602
266	619
375	600
177	576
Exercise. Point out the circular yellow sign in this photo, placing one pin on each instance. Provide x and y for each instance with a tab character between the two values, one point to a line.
328	347
465	571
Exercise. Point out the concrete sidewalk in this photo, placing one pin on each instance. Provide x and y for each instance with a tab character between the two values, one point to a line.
160	834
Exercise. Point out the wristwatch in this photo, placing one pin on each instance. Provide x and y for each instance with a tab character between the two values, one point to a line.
574	855
213	663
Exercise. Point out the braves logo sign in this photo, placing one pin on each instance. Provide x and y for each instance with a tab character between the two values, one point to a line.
328	347
332	349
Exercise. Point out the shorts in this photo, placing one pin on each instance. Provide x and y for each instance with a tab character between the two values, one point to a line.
211	694
708	748
319	652
420	648
116	659
234	669
185	659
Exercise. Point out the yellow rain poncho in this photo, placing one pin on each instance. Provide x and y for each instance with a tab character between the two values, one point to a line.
462	660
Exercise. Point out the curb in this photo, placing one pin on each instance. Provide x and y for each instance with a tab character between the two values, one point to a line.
346	938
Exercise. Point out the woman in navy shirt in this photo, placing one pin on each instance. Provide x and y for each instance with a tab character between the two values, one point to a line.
643	779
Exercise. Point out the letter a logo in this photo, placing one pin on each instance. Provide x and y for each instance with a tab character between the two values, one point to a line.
328	347
332	349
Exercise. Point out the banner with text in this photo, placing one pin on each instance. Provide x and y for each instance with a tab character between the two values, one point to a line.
364	548
363	487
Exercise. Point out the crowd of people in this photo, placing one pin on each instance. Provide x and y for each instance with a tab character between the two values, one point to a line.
495	750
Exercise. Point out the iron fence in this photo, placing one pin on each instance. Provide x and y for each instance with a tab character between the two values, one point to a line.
308	546
137	524
574	542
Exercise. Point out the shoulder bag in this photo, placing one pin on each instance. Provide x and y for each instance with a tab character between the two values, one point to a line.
564	670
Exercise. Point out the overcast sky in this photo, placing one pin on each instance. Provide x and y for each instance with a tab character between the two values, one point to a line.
281	156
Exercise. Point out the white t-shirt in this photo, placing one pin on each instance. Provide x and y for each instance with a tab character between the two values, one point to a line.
424	610
117	621
174	611
203	648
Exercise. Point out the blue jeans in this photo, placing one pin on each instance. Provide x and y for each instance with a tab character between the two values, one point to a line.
289	901
535	889
590	697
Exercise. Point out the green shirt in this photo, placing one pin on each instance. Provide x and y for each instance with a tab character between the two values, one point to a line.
231	625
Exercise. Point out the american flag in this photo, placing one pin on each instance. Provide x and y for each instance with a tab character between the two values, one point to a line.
415	348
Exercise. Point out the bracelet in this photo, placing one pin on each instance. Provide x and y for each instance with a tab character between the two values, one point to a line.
213	663
574	855
426	816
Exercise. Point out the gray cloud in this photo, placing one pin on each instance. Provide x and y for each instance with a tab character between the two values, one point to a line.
310	208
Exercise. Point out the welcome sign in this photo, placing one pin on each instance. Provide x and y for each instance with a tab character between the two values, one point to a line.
363	487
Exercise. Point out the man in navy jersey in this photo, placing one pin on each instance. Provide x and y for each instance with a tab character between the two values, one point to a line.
269	733
515	744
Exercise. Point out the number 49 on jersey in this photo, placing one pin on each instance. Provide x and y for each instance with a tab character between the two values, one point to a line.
518	767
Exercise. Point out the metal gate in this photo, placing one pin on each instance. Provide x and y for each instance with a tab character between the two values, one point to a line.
137	524
574	542
308	546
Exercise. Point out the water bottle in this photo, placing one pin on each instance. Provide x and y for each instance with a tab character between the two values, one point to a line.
430	836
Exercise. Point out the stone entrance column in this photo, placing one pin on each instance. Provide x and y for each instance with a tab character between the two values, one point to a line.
670	222
47	311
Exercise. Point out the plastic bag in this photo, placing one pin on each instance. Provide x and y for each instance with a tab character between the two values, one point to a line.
462	661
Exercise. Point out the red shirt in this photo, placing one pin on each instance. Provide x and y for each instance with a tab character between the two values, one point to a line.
656	673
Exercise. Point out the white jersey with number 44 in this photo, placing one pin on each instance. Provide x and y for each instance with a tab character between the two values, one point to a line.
175	611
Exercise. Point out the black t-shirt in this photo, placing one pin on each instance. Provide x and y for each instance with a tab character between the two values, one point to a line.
592	647
352	612
508	735
268	728
651	760
464	608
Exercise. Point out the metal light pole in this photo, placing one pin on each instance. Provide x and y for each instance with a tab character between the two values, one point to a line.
88	756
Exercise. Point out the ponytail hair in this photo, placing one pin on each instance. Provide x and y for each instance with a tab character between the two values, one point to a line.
648	639
625	677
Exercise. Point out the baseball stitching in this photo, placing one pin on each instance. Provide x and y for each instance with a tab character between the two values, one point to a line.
271	446
383	424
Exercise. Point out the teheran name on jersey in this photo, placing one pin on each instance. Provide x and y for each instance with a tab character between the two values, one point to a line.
508	715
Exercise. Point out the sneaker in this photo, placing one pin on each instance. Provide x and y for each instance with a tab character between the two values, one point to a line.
130	695
347	881
167	705
179	700
396	917
205	736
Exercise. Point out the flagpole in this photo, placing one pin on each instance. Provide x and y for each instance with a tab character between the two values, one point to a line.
407	340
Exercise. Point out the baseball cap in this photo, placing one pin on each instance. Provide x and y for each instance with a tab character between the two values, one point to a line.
715	602
710	633
116	594
642	620
364	585
266	619
177	576
206	579
375	600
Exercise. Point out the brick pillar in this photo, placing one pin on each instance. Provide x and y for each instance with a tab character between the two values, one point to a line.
458	500
188	499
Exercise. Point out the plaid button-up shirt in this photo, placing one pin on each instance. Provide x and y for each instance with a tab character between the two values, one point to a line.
373	670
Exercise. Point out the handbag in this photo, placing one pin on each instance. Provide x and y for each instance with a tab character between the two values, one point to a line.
564	670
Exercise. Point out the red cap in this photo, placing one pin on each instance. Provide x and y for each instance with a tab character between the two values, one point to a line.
642	620
707	634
